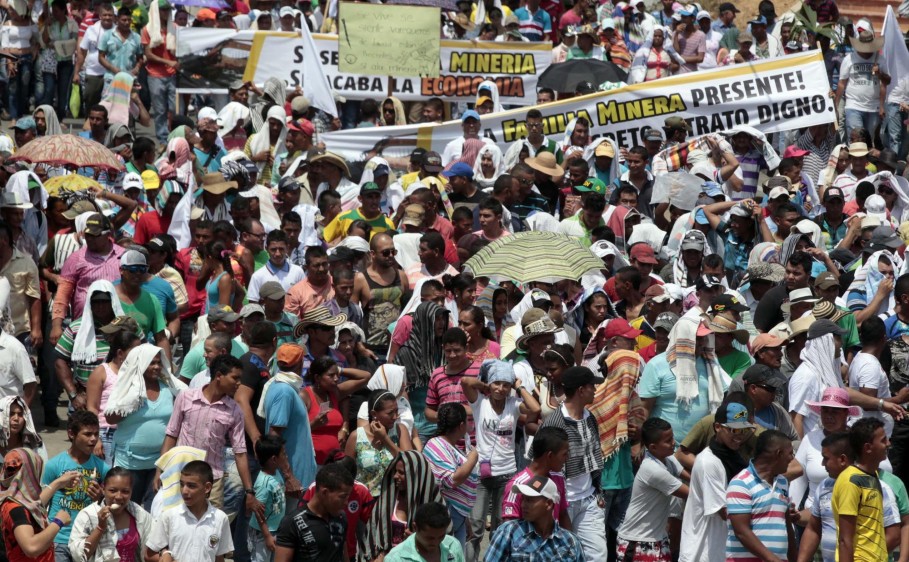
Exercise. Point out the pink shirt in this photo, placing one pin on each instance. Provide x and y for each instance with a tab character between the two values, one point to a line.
196	422
303	296
511	502
84	268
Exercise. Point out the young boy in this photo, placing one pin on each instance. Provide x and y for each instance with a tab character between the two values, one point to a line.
656	482
270	492
359	504
445	382
87	470
317	531
195	528
550	451
429	540
836	456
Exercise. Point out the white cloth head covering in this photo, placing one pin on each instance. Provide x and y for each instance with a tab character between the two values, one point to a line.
590	156
230	115
513	153
262	142
85	345
497	161
819	357
128	393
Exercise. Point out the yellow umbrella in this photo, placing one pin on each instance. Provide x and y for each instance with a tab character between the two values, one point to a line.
70	182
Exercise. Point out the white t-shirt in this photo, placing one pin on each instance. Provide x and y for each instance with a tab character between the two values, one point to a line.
495	433
90	43
651	495
805	386
703	529
863	91
866	372
809	456
287	278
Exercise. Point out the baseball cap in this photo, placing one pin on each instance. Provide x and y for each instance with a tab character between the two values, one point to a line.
604	149
416	157
459	169
733	415
289	354
771	272
700	217
594	185
132	257
746	37
824	326
884	238
222	312
370	187
693	240
833	193
728	7
725	302
793	151
250	309
538	487
761	374
778	192
826	280
432	162
765	340
79	207
133	180
206	14
760	20
576	377
288	184
483	99
97	224
653	135
285	11
707	282
26	123
470	114
271	290
666	320
619	327
677	122
124	323
656	293
643	253
304	126
413	215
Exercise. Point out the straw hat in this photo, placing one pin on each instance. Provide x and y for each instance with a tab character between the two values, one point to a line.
318	316
214	183
866	42
546	163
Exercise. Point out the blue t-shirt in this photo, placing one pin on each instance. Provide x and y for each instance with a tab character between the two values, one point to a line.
533	27
269	491
74	499
284	408
213	160
658	381
139	436
164	292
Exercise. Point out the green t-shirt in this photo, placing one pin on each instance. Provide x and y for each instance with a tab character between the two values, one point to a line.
848	323
194	362
618	473
735	363
147	313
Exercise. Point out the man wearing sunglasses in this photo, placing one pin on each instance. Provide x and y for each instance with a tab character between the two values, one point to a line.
387	283
140	303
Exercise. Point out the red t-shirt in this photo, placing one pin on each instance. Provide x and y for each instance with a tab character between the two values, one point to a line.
511	503
324	437
359	508
189	263
13	515
157	69
149	225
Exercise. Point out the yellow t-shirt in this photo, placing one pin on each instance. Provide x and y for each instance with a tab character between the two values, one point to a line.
338	227
859	494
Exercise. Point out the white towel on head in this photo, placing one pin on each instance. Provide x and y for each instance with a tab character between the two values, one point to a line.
129	392
85	345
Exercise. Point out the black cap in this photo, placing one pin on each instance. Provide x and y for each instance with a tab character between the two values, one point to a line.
823	327
432	162
884	238
728	7
584	88
288	184
416	157
725	302
761	374
707	282
576	377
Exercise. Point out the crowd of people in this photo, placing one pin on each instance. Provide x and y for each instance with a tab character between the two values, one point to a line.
272	352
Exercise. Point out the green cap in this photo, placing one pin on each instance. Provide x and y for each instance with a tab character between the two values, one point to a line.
594	185
369	187
164	4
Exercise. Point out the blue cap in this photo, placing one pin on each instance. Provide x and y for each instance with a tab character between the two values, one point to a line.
712	189
468	114
25	123
380	170
733	416
700	217
459	170
760	20
691	13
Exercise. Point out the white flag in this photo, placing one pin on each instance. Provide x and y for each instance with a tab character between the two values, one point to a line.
894	50
315	84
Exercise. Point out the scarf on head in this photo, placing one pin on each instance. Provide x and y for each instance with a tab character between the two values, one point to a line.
818	356
232	115
128	393
679	269
182	163
115	131
400	114
85	344
513	154
274	92
496	154
900	185
171	463
470	152
24	487
674	158
18	183
50	119
789	245
683	363
168	188
493	90
422	488
638	71
293	379
30	437
829	173
615	400
526	303
423	350
391	377
177	133
615	171
868	278
261	141
733	463
764	252
567	148
116	98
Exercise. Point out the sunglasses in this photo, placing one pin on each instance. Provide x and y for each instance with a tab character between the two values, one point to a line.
525	181
389	253
767	387
136	268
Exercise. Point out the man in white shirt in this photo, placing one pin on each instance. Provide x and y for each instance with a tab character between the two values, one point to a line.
470	124
864	77
17	378
87	57
277	269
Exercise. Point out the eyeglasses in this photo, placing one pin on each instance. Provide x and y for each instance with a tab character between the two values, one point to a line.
389	253
136	268
534	125
254	235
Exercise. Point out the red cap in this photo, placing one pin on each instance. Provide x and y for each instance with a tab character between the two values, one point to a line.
620	327
206	14
304	126
793	151
643	253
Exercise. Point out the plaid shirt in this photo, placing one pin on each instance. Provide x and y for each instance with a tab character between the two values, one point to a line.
517	539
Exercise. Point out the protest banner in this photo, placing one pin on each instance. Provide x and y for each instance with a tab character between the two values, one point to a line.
210	59
389	40
775	95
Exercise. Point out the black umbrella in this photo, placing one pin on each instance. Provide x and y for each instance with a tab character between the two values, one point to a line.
565	76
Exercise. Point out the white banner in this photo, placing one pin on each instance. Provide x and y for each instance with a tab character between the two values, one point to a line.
786	93
212	58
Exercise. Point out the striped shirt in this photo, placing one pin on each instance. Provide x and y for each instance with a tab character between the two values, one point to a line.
750	165
748	494
823	510
444	459
534	26
84	268
64	350
584	452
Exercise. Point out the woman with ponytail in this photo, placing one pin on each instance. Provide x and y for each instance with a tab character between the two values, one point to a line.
375	445
220	286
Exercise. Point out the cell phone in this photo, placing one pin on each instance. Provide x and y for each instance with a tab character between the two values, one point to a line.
324	407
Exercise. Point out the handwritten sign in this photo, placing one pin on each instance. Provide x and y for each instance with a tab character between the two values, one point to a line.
377	39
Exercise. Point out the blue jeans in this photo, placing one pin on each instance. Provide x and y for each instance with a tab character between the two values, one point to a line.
856	119
235	501
588	521
61	553
458	526
489	502
163	96
143	487
893	124
107	444
19	86
255	542
58	86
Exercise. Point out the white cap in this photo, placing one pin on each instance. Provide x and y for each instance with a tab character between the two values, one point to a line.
875	206
538	487
133	180
778	192
702	14
285	11
132	257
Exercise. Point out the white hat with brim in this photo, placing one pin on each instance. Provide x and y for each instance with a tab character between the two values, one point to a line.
12	200
543	326
866	42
